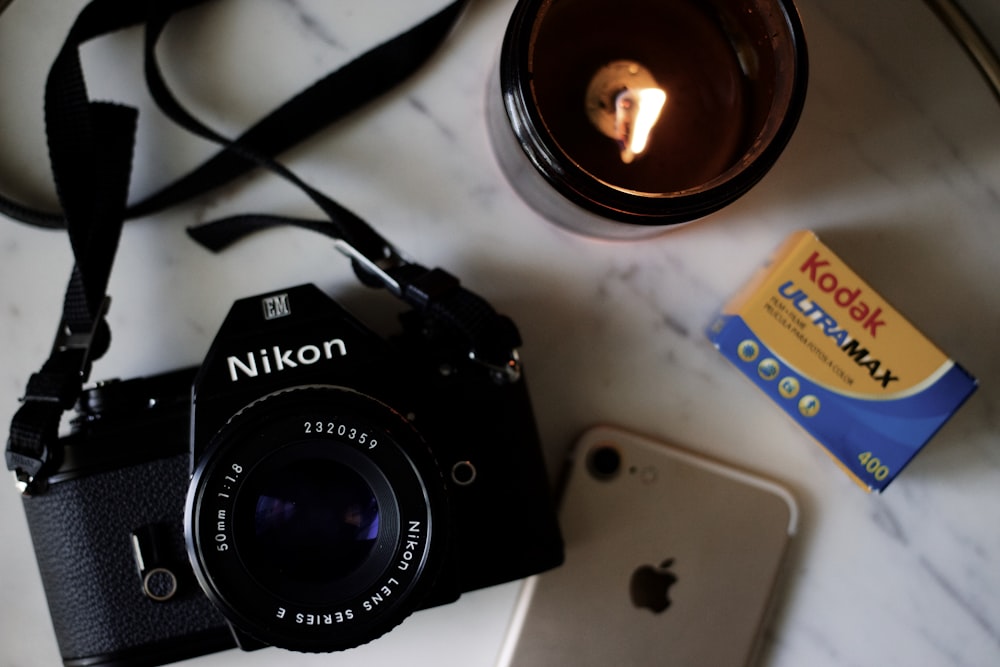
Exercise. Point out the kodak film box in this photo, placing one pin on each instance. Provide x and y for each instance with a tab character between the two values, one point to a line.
840	360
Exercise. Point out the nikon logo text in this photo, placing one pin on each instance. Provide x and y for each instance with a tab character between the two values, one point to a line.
277	359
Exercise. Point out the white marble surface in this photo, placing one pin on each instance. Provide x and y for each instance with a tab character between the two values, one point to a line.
896	163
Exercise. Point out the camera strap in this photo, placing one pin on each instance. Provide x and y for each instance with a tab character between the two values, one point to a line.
91	146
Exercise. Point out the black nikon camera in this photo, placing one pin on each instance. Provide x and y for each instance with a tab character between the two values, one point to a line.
308	487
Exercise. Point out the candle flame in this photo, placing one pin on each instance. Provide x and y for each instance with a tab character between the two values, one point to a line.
625	103
636	113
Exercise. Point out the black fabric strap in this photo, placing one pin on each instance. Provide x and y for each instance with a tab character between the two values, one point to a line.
65	79
435	293
331	98
348	225
91	150
324	102
489	337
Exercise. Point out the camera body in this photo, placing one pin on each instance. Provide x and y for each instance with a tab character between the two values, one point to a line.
308	487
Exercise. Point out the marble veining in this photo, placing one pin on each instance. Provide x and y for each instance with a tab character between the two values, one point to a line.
896	163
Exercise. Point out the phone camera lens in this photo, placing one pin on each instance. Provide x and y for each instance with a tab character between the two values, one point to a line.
604	462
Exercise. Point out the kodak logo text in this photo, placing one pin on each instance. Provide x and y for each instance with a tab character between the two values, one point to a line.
845	296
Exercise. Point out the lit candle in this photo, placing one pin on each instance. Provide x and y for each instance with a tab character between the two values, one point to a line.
644	112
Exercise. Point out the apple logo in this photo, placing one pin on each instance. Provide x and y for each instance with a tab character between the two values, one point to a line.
650	586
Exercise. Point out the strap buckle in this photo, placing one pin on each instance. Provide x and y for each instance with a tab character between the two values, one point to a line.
376	268
26	485
421	288
33	446
82	342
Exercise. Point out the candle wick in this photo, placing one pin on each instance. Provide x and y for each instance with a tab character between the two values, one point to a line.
624	102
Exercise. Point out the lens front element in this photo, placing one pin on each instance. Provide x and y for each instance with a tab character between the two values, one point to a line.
315	521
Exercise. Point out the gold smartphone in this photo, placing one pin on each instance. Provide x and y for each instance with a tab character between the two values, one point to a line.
671	560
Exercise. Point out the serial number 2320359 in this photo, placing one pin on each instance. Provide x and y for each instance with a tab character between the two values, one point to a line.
342	430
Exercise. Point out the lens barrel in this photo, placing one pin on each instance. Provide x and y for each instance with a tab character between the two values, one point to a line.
316	521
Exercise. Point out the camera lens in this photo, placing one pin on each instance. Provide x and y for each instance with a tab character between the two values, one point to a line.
316	520
603	462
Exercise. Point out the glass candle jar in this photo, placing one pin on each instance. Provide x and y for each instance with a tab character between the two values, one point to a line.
622	118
